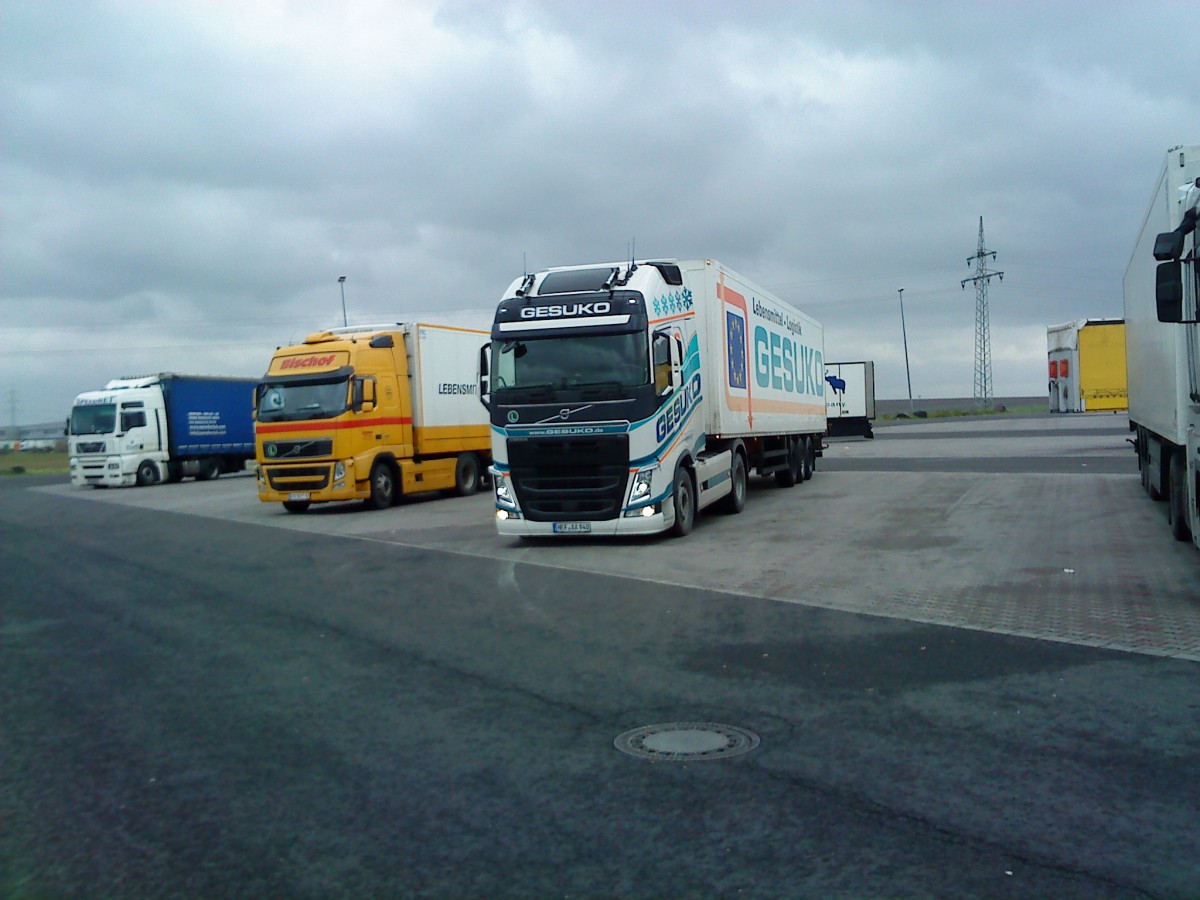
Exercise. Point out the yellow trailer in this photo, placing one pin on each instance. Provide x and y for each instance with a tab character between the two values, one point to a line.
1087	366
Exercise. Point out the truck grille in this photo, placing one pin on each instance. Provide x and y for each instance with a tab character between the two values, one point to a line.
570	478
280	450
90	446
298	478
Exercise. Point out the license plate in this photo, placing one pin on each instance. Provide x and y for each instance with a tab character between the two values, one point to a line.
572	527
298	495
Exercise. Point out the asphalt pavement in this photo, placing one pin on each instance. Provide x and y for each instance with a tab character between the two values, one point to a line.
200	703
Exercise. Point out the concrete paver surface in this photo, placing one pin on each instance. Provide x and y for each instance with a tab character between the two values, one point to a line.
1039	538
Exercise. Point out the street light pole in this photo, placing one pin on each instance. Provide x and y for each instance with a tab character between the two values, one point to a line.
342	285
904	332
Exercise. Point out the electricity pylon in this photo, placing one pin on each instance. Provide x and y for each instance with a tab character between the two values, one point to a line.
983	331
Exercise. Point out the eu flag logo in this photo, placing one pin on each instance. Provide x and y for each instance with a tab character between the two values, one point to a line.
735	352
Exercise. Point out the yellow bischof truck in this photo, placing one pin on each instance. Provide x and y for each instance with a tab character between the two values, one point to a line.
372	413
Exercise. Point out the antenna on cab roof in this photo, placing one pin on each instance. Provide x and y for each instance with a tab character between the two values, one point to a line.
632	248
526	278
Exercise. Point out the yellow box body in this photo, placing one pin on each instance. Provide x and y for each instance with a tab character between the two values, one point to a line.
1103	382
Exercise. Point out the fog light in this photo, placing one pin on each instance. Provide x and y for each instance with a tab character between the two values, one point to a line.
501	514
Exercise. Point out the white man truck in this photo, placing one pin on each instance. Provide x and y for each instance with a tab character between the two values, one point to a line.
1162	343
152	428
373	413
625	397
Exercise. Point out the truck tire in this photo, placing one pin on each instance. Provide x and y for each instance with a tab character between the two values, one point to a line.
296	506
209	469
174	472
1177	513
147	473
683	497
1153	485
735	501
790	474
383	486
808	458
466	475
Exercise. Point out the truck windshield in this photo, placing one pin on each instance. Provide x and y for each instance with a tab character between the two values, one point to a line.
282	401
586	361
97	419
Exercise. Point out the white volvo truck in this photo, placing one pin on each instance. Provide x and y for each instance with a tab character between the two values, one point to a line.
1162	343
625	397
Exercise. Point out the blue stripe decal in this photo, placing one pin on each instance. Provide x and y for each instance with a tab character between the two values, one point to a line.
668	440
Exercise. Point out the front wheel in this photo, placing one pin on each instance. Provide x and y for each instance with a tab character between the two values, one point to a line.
383	486
147	473
684	499
1177	513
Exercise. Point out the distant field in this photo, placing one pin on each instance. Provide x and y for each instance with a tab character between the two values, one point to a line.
960	406
33	462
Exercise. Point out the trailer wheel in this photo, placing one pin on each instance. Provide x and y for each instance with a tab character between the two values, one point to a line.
296	506
1177	514
147	473
1153	485
790	474
466	475
209	469
383	486
684	499
735	501
808	459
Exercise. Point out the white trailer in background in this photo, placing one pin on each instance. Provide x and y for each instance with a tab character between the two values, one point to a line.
850	398
1162	342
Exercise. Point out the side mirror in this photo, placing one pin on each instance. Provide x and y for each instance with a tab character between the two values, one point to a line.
676	361
362	397
483	375
662	363
1168	245
1168	290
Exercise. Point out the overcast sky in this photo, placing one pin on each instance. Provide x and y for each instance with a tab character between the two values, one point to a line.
183	182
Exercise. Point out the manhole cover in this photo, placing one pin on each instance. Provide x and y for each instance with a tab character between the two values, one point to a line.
683	741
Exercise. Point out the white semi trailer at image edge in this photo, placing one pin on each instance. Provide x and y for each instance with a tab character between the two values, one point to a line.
1162	343
625	397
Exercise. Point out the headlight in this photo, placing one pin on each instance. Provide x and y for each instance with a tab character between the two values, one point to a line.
339	470
642	486
504	495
